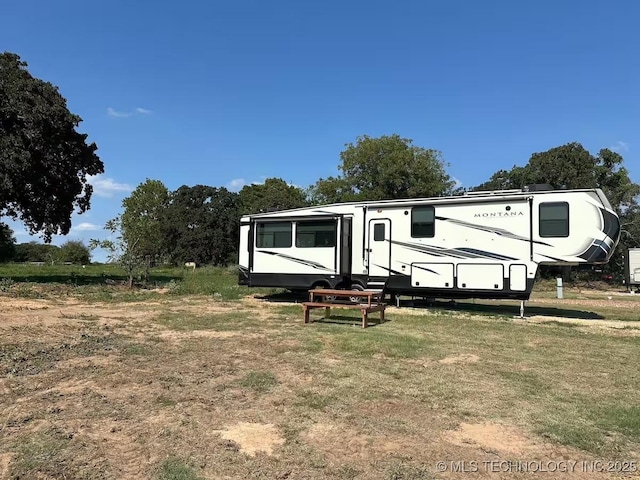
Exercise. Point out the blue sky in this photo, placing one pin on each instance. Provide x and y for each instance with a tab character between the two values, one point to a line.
228	93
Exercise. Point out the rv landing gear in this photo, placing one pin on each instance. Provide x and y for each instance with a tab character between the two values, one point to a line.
521	309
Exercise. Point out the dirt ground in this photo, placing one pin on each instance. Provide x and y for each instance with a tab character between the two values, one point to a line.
185	387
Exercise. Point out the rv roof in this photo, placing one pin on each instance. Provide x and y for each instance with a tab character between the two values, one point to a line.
466	197
493	192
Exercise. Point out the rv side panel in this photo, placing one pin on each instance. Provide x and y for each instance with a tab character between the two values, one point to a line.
632	266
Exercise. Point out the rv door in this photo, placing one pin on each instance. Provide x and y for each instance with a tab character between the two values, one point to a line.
379	241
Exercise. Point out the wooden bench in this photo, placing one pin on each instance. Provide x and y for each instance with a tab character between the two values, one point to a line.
374	302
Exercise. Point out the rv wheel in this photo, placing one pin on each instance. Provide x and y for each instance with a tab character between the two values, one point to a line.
354	298
326	298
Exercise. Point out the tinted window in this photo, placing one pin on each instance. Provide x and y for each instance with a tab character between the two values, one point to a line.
554	219
316	234
423	222
378	232
273	235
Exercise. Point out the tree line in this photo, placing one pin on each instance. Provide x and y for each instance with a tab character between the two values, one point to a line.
71	251
45	162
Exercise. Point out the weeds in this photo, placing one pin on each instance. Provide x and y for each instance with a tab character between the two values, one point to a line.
177	469
259	381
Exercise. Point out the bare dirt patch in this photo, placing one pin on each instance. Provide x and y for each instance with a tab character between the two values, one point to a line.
491	436
462	358
253	437
5	461
617	327
177	336
607	299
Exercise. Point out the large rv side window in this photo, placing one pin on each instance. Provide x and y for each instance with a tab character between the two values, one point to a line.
423	222
554	219
316	234
273	235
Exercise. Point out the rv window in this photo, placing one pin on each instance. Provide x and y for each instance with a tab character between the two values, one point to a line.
554	219
273	235
316	234
423	222
378	232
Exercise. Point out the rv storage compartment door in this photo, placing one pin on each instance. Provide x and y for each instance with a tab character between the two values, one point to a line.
518	278
432	275
480	276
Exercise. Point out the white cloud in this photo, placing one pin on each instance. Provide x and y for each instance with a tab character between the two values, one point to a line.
457	183
236	184
106	187
86	227
112	112
619	147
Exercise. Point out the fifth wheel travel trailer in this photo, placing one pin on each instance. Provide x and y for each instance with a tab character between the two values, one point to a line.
477	245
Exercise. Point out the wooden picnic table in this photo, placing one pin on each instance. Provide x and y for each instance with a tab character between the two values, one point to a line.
374	302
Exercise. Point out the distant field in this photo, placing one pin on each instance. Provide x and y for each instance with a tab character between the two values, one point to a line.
108	281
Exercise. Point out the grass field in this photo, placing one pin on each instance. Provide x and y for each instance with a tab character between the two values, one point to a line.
108	282
199	378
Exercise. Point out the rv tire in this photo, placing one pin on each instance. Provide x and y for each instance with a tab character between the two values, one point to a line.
327	298
354	298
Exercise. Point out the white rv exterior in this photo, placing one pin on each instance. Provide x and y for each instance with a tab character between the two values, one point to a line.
481	244
632	267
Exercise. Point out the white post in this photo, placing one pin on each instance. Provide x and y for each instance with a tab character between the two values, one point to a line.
559	288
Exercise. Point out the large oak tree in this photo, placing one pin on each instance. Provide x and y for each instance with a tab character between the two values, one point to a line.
274	194
44	160
201	225
387	167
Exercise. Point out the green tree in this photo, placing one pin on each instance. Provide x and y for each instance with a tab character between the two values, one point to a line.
201	225
137	230
36	252
7	244
142	218
274	194
44	160
75	251
120	250
504	180
387	167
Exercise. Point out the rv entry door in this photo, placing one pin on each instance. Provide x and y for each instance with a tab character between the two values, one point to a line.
379	247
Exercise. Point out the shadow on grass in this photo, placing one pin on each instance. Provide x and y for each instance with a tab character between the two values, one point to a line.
510	310
285	297
460	306
348	320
